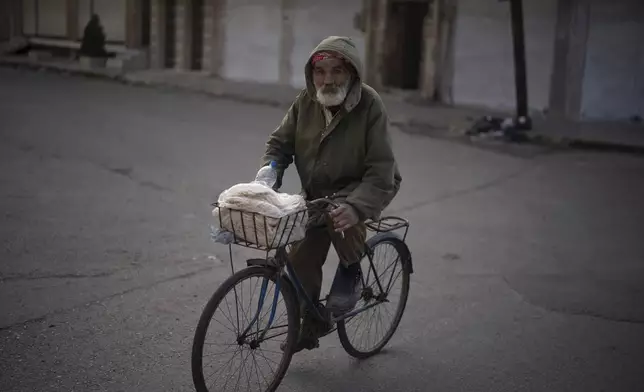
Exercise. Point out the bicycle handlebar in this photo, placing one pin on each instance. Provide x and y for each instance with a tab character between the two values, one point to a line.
322	202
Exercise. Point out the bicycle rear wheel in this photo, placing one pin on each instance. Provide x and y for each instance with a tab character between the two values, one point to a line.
233	350
367	332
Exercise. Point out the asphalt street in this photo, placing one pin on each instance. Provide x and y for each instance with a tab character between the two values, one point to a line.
529	264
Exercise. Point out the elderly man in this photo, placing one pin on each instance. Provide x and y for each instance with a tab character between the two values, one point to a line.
336	133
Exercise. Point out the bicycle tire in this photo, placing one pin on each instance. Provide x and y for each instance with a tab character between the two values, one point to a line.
402	252
290	300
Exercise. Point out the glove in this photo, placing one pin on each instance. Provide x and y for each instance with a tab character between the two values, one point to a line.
344	217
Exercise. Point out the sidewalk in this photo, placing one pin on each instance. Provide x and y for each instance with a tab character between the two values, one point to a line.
428	119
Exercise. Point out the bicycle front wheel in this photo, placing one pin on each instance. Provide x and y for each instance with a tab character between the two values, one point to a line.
246	334
385	280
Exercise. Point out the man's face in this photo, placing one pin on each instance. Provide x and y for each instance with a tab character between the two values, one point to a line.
331	79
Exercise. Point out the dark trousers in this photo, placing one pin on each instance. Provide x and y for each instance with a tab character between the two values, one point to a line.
309	255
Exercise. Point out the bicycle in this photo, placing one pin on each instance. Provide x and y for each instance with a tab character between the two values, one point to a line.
253	329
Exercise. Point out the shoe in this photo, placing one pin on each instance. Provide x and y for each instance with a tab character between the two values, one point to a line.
345	290
308	336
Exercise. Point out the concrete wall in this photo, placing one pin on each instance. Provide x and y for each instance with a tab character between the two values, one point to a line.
113	17
613	86
315	20
156	48
180	31
5	20
483	59
253	28
29	17
44	18
51	18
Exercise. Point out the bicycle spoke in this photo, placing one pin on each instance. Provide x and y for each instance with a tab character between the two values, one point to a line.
248	377
258	368
252	296
242	365
393	264
236	369
245	318
231	319
266	360
369	328
232	323
221	353
396	278
218	322
229	365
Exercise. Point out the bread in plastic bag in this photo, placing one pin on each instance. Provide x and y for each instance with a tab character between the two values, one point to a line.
258	214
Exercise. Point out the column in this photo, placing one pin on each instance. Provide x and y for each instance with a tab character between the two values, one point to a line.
431	46
16	19
375	27
214	37
569	59
181	61
157	34
185	38
287	41
445	70
73	30
133	23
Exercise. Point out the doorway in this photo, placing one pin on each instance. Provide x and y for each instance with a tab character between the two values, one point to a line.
170	33
404	43
197	17
146	11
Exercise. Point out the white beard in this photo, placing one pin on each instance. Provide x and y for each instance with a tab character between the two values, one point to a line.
333	99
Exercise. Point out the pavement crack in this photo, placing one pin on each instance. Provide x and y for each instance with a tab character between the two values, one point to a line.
13	278
127	172
586	313
105	298
464	192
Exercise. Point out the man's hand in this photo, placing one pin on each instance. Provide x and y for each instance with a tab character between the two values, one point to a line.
344	217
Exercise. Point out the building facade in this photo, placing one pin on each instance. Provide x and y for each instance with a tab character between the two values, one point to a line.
251	40
585	58
125	22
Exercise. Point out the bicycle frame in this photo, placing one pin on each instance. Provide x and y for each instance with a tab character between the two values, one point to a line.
283	261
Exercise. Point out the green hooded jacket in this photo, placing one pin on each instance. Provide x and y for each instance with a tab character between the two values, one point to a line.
351	160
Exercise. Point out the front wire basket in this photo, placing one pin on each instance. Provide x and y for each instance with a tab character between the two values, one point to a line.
261	232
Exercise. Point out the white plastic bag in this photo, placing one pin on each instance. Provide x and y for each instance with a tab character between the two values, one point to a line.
261	216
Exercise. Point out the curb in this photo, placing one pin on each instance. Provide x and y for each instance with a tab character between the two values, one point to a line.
221	95
123	78
584	144
444	131
60	70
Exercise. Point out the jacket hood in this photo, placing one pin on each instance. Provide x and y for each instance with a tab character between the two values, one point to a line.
347	48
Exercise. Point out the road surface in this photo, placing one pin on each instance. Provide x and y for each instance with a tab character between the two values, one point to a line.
529	266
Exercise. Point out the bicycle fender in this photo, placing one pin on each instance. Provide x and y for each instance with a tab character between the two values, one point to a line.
400	245
260	263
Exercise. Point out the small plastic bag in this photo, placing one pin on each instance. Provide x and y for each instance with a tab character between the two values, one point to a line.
221	236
